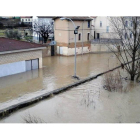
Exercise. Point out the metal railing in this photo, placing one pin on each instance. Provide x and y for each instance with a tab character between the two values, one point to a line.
105	40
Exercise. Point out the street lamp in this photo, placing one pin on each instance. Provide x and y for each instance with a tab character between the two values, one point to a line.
75	32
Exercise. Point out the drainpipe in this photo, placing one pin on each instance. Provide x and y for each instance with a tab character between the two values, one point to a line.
82	37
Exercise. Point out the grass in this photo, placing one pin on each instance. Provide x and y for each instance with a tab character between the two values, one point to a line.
2	34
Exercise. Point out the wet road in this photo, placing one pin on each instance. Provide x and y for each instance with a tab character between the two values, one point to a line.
87	103
56	73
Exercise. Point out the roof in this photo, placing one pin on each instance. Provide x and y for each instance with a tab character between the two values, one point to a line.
46	16
7	44
80	18
27	17
93	16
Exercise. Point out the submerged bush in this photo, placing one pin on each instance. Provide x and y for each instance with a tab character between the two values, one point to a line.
32	119
113	82
13	34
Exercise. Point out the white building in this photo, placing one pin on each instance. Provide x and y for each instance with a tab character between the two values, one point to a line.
101	27
27	20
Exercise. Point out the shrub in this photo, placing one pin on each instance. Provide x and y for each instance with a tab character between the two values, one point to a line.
113	82
13	34
1	25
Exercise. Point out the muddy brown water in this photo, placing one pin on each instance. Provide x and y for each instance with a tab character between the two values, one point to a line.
87	103
56	73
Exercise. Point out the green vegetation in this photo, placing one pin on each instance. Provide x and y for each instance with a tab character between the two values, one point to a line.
28	38
13	34
2	34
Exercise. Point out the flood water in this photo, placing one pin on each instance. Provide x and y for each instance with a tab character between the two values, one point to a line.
87	103
56	73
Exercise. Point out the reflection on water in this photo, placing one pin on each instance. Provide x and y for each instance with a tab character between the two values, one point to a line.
56	72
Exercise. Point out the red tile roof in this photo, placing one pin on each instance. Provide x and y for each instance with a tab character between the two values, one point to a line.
7	44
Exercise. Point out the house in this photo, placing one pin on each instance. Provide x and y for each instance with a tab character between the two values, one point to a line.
65	37
101	27
19	56
26	20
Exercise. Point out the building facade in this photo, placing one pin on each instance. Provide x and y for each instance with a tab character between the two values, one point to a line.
101	28
19	56
65	37
26	20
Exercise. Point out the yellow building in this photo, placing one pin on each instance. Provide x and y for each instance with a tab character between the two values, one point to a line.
65	37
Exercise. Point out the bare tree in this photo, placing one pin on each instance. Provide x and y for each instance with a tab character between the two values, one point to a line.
127	31
43	28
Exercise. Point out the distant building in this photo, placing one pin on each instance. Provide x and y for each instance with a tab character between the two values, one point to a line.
19	56
65	37
26	20
101	27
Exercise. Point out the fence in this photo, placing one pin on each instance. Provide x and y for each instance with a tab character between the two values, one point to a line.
104	40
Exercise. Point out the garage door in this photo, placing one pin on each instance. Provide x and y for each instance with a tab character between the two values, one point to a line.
32	64
28	65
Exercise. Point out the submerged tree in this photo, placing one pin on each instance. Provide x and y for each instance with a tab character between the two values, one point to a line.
127	31
43	28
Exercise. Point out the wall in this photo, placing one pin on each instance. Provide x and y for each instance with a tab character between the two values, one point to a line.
99	48
12	68
71	51
47	52
64	36
21	56
61	31
101	30
26	20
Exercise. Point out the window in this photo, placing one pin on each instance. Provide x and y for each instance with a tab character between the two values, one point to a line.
88	24
100	23
131	23
125	35
88	36
28	19
107	28
22	20
79	36
130	35
126	24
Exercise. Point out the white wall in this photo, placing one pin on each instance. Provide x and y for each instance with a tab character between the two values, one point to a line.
12	68
101	30
71	51
26	20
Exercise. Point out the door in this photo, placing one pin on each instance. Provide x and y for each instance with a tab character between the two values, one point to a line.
28	65
94	34
98	36
34	64
52	50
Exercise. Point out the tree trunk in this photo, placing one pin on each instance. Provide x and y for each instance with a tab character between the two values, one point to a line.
132	77
133	68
